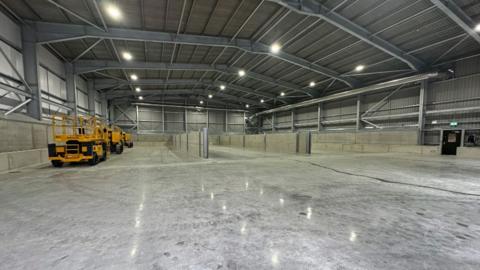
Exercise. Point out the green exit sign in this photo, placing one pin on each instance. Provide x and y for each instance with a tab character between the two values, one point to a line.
453	124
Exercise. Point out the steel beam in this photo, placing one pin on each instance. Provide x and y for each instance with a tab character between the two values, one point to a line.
18	106
354	92
422	104
315	8
454	12
87	66
57	32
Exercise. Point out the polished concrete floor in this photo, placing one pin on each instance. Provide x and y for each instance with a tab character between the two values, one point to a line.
152	209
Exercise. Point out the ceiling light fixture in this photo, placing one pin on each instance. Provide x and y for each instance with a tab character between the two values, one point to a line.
477	28
312	84
201	101
138	89
127	56
134	77
247	106
275	48
241	73
113	11
140	98
262	101
222	87
359	68
210	96
282	94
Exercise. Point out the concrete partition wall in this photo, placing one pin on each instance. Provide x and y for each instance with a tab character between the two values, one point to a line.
194	144
225	140
255	142
372	142
23	143
282	143
237	141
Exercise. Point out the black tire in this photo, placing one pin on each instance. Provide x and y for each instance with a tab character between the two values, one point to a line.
130	145
94	160
104	157
119	149
57	163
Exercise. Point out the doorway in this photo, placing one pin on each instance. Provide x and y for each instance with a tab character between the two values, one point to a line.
450	141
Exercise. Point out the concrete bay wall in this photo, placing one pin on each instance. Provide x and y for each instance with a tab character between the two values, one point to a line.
289	143
189	144
404	137
376	148
23	143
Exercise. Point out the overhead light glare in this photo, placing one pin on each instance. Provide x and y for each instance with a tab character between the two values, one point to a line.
477	28
201	101
210	96
241	73
222	87
275	48
312	84
359	68
282	94
138	89
140	98
113	11
262	101
127	56
247	106
134	77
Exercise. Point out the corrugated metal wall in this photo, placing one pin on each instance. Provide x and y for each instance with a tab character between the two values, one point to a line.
151	118
454	100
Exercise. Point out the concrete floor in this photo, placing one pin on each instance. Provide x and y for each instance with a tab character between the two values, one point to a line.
152	209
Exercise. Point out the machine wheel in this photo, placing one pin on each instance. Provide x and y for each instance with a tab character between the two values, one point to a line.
94	160
130	145
104	157
119	149
57	163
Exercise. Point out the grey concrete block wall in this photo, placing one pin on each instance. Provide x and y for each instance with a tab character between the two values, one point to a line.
281	143
225	140
255	142
18	136
237	141
409	137
194	144
469	152
152	138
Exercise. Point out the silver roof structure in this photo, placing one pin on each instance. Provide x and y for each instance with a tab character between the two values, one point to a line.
191	47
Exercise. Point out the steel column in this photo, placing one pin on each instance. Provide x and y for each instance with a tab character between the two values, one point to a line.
136	119
71	85
30	62
293	121
359	113
421	110
163	119
320	126
91	97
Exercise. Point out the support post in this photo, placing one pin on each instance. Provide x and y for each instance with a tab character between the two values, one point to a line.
422	104
273	122
91	97
462	139
185	118
244	123
208	119
111	113
163	119
205	142
293	121
358	116
104	108
136	118
30	62
320	126
71	85
226	121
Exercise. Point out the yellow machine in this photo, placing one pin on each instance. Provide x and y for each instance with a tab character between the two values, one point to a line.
127	139
115	134
78	139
